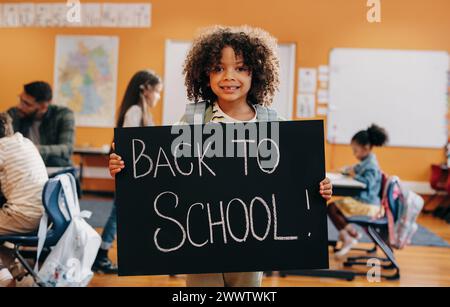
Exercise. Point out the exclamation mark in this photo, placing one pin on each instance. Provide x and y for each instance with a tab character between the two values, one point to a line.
307	200
308	206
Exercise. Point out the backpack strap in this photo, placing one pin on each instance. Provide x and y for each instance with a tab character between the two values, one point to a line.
69	187
70	194
265	114
198	113
195	113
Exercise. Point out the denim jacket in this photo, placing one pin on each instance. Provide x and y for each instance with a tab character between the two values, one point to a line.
368	172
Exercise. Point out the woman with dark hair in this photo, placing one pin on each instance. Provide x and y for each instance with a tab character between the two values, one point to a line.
368	203
143	92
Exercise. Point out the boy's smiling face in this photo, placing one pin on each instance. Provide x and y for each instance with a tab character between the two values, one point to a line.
231	79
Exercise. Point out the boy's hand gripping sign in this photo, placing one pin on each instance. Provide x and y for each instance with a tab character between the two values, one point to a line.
221	198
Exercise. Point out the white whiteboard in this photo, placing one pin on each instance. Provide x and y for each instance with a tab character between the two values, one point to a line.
402	91
175	97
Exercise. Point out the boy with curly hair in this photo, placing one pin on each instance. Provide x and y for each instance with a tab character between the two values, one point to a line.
231	74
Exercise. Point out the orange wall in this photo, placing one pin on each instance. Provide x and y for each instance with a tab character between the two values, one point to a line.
315	25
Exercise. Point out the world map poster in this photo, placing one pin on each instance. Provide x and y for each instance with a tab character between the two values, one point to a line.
86	78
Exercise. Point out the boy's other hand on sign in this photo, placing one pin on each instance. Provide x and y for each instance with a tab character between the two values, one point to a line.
115	163
326	189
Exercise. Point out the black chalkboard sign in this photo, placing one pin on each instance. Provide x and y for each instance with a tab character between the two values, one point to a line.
221	198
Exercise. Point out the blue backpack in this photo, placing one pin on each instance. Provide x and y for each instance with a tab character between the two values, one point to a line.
402	207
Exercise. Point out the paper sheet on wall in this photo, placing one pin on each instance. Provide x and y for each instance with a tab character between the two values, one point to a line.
323	78
323	84
142	15
41	14
26	14
322	96
324	74
306	105
10	15
324	70
52	15
322	111
91	15
307	80
126	15
16	15
110	15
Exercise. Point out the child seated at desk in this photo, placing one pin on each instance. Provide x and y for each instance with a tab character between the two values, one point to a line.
368	203
22	179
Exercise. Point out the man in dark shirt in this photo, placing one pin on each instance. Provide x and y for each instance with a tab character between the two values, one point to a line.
51	128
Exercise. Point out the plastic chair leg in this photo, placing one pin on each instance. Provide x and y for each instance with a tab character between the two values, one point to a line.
27	267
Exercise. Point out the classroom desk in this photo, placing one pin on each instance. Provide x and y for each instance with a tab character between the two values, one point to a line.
345	185
89	151
92	151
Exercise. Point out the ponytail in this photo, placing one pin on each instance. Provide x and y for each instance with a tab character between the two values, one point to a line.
373	136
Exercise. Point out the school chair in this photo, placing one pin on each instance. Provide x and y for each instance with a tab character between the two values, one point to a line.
378	231
58	223
74	172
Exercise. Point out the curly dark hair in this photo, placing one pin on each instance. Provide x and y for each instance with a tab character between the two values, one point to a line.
373	136
258	49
